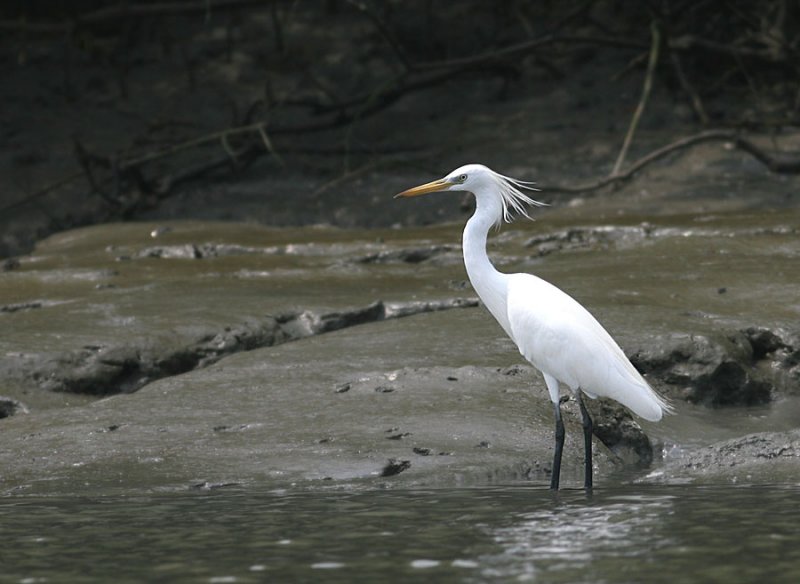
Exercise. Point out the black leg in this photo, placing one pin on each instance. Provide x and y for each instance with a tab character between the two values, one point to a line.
559	448
587	442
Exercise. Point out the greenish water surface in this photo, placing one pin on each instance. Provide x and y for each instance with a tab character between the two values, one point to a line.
516	533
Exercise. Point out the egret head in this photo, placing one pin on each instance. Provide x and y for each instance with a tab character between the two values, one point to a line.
491	189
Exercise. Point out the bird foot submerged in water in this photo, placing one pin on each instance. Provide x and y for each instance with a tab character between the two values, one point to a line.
588	426
560	434
586	422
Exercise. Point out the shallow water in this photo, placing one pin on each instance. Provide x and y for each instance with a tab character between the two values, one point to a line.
498	534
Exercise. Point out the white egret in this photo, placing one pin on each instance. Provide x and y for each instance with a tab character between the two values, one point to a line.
551	329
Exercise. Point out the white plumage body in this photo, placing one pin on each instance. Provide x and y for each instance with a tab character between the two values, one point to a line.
563	340
551	329
554	332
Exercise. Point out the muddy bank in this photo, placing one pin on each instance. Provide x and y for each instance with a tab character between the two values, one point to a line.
766	457
106	310
744	367
377	397
291	415
124	368
440	397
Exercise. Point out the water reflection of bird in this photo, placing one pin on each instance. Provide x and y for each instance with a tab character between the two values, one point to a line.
550	328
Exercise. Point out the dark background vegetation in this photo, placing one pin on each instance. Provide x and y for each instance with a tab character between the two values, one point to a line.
302	112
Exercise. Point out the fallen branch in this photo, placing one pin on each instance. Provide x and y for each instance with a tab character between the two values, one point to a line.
708	136
221	136
780	164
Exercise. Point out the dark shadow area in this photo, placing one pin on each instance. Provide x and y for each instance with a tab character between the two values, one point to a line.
288	113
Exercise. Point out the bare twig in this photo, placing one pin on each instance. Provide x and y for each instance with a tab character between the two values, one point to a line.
277	28
130	169
368	167
648	84
35	196
268	145
227	147
347	176
632	64
522	49
221	135
689	42
86	161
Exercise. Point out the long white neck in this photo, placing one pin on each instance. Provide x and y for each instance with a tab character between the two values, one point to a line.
486	280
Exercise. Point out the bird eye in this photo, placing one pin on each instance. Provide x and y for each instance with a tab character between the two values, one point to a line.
462	178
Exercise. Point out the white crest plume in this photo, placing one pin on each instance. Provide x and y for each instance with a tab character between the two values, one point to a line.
512	197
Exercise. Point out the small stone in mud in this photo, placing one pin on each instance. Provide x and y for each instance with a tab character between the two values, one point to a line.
408	256
399	436
765	342
9	264
180	252
207	486
722	290
394	467
20	306
10	407
342	388
422	451
458	284
384	389
616	428
159	231
238	428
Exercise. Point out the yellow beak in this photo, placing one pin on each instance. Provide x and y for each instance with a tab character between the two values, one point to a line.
431	187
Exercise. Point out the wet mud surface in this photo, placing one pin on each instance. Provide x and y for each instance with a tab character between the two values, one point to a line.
166	355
